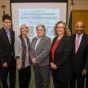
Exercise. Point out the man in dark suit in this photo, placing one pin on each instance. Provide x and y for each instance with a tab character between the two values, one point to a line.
8	64
0	69
86	80
0	77
79	56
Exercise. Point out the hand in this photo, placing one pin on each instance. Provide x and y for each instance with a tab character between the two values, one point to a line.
19	66
4	65
34	61
84	72
53	66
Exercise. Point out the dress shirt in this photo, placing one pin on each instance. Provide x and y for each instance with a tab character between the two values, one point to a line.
18	51
38	40
81	35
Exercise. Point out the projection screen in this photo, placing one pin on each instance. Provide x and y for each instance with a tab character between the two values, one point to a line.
33	14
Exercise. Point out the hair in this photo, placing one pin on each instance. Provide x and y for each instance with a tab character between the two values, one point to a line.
41	25
23	25
67	32
6	16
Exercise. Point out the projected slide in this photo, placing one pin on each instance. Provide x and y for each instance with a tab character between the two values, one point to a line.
33	17
33	14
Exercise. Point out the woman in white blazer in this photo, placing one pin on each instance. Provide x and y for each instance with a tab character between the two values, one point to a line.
22	55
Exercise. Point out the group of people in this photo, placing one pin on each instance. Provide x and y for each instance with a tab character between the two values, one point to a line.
66	56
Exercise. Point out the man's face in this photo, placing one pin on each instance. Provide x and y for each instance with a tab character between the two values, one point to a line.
7	24
79	28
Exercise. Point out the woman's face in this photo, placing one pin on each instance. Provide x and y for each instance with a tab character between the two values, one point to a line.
24	30
40	31
60	29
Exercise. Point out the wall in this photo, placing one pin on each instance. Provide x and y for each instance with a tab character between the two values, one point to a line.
7	9
79	5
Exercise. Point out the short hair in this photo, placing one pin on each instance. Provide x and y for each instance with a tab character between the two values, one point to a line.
24	25
41	25
67	32
6	16
81	23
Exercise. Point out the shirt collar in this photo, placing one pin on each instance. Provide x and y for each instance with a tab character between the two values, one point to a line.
7	30
80	35
38	38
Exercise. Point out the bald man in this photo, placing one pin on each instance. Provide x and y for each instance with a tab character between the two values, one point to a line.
79	56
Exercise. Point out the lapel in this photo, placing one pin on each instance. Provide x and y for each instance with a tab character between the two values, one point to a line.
41	42
60	43
11	35
34	43
6	37
74	38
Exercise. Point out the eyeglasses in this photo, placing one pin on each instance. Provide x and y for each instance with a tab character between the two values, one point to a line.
40	30
60	27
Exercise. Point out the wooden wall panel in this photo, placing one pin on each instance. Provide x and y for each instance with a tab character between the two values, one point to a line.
80	15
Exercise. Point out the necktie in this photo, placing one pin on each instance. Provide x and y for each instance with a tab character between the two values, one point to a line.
77	44
9	37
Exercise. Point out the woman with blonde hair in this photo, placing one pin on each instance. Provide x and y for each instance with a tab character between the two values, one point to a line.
60	56
22	55
67	32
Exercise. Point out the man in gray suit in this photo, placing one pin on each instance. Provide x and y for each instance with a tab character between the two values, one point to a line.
40	48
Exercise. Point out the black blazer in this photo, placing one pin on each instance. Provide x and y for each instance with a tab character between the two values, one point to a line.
80	59
62	60
6	49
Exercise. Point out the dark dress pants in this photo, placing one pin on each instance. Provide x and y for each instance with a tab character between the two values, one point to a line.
42	76
11	70
0	75
86	81
24	77
59	84
80	81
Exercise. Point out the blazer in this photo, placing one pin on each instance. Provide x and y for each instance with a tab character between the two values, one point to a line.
41	54
6	49
62	59
18	52
80	59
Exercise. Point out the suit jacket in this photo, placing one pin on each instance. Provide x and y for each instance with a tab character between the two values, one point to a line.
6	49
62	59
41	54
18	52
80	59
